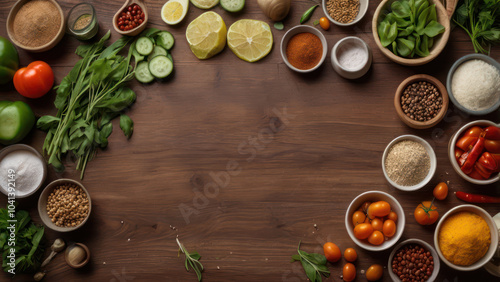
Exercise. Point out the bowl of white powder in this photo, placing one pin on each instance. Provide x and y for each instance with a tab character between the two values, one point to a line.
473	84
351	57
22	171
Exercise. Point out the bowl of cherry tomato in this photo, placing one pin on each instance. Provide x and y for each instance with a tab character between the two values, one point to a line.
474	152
375	220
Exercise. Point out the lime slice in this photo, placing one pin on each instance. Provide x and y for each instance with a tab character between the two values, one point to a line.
250	40
174	11
206	35
205	4
232	6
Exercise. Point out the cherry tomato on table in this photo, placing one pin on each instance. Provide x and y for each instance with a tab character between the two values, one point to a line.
324	23
350	254
440	191
379	209
349	272
35	80
374	272
332	252
425	214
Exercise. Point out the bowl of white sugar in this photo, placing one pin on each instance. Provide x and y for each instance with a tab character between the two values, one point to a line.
473	84
351	57
22	171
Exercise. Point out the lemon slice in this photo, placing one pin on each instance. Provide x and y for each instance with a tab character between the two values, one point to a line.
206	35
250	40
174	11
205	4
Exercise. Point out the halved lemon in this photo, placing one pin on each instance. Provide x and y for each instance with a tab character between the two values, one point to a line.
250	40
206	35
174	11
205	4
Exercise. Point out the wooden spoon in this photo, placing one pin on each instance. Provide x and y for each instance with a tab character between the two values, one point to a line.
137	30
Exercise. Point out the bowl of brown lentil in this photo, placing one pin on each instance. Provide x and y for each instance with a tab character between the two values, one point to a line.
36	26
345	12
421	101
64	205
413	260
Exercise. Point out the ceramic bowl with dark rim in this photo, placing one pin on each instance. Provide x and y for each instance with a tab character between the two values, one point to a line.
421	124
423	244
363	7
449	79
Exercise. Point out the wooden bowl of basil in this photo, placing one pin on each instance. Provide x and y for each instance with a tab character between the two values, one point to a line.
411	32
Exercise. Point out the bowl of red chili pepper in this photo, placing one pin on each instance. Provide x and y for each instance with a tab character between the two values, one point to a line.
303	48
474	152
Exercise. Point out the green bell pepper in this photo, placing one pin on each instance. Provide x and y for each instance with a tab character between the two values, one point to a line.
16	121
9	60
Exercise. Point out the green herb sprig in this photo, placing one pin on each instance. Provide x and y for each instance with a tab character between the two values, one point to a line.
191	260
314	264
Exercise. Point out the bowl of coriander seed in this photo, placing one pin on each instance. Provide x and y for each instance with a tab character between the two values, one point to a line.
64	205
345	13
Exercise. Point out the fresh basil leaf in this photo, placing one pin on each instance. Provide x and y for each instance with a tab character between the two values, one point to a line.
406	31
392	34
295	258
433	29
405	47
310	271
279	25
432	14
401	9
318	258
46	122
422	21
127	126
395	48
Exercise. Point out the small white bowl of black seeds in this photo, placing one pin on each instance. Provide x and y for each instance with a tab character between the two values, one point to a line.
409	162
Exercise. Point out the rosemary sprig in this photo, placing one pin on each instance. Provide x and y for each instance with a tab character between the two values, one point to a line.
191	260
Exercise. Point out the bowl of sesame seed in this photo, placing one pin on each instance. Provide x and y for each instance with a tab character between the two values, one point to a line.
345	12
64	205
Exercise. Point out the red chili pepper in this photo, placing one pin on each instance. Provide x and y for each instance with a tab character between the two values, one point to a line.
472	155
458	153
492	133
476	175
476	198
466	142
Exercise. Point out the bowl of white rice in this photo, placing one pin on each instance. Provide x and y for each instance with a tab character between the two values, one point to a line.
473	84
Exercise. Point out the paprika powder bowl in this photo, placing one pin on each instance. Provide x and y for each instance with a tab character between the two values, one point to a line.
493	233
424	245
45	47
451	152
303	29
421	124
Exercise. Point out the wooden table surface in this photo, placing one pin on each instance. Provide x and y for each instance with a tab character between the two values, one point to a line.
289	152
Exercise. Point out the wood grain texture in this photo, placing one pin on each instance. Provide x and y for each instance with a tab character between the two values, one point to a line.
215	113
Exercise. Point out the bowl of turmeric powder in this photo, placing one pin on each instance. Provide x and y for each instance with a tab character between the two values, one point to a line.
466	238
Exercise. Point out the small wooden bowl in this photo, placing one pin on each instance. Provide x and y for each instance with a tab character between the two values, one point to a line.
10	28
137	30
81	264
42	205
439	42
421	124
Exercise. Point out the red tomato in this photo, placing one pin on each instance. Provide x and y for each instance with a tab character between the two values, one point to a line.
425	214
377	224
375	272
324	23
349	272
350	255
332	252
474	131
440	191
466	141
492	146
389	228
35	80
379	209
393	216
358	217
363	230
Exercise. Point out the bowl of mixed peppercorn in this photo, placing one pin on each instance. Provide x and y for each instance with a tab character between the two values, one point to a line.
64	205
421	101
413	260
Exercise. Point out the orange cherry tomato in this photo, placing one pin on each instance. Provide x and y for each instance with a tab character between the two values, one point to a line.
440	191
35	80
466	141
358	217
349	272
364	207
363	230
379	209
425	214
332	252
324	23
389	228
393	216
350	255
377	224
376	238
374	272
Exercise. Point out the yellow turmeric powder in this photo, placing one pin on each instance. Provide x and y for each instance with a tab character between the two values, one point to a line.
464	238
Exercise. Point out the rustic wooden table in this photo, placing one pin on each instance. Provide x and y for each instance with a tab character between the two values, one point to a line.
211	125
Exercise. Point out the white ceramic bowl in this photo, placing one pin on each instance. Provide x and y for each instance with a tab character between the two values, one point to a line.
301	29
451	152
449	78
374	196
343	46
363	7
430	152
426	246
493	233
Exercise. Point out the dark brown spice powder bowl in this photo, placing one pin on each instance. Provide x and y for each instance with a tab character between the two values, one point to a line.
421	124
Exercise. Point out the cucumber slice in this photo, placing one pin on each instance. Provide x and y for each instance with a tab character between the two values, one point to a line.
160	66
157	51
165	39
232	6
142	73
144	46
